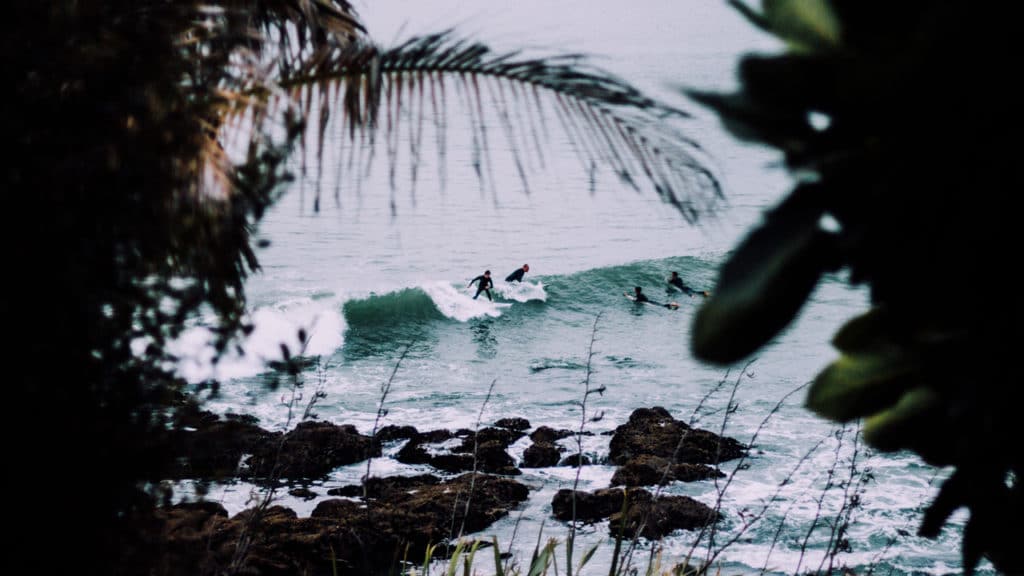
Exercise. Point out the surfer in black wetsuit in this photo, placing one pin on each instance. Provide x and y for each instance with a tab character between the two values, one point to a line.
484	284
640	298
676	281
517	276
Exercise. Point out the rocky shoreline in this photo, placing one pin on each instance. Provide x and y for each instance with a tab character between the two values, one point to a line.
371	527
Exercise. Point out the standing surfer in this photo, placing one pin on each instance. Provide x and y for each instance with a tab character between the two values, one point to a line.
484	284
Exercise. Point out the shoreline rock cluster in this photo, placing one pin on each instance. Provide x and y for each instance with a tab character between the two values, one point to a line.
370	528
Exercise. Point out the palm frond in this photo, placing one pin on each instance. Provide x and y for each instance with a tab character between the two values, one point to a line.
385	95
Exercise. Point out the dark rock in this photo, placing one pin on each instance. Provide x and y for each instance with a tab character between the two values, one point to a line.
647	470
311	450
413	452
191	518
515	424
549	435
389	433
594	506
656	518
350	491
214	449
451	462
335	508
270	514
488	435
204	506
574	461
386	487
541	455
416	518
304	493
654	432
493	458
389	486
436	436
490	455
243	418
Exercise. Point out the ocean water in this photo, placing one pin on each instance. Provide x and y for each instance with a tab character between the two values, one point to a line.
378	279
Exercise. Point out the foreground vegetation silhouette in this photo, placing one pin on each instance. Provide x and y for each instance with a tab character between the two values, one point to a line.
150	137
894	123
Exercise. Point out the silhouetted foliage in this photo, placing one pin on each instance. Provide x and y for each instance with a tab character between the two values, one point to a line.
895	120
148	138
128	220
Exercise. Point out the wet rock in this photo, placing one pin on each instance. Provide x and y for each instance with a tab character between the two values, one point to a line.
215	447
653	431
390	433
490	455
386	487
451	462
336	508
549	435
647	470
594	506
342	536
514	424
575	460
349	491
389	486
493	458
413	452
418	514
499	436
188	520
311	450
657	518
304	493
541	455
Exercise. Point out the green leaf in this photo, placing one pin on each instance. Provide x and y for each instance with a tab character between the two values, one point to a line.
860	384
541	561
805	25
498	569
869	331
453	563
586	558
899	426
766	280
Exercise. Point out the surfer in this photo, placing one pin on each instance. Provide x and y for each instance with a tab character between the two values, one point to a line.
517	276
640	298
676	281
484	284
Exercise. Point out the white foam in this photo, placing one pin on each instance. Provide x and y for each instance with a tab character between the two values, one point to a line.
522	291
459	305
272	328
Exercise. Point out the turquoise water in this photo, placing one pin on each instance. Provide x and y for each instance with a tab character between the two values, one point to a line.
378	274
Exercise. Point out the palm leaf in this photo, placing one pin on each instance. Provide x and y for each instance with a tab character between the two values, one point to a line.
371	95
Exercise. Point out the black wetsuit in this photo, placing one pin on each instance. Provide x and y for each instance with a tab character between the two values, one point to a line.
516	276
642	298
678	283
484	286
